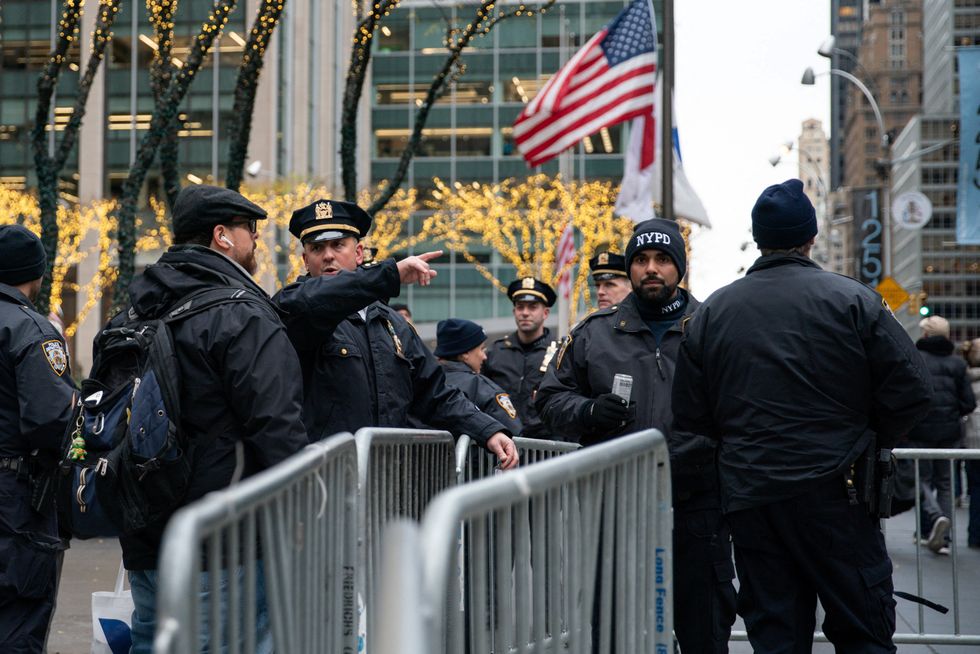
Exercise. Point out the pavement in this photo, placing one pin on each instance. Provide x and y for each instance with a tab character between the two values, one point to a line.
92	565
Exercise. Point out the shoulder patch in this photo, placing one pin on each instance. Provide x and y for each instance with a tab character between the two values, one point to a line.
371	264
561	351
503	401
54	352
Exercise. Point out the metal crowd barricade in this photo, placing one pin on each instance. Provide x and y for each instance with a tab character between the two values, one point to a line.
558	552
291	528
474	462
921	636
399	471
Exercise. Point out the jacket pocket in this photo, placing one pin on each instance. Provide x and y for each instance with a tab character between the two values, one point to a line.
29	564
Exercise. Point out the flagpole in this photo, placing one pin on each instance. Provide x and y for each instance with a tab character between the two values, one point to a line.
666	112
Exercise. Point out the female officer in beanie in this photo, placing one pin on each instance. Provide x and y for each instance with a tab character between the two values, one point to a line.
36	394
461	352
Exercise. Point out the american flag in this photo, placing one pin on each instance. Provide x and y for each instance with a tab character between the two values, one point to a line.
564	255
611	79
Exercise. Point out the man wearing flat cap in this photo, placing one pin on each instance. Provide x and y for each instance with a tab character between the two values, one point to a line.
612	284
368	366
640	338
241	394
517	361
36	392
800	375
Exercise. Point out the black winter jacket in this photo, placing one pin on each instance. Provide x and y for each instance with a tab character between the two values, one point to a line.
486	395
952	396
518	371
794	369
240	378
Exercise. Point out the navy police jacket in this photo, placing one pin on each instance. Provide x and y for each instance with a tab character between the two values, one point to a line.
486	395
519	372
794	369
371	369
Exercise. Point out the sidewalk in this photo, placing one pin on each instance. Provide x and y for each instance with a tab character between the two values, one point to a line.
937	586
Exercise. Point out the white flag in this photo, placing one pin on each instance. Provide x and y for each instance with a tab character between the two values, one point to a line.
640	188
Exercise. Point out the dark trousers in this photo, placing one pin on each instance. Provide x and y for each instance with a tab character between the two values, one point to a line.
973	486
791	552
935	487
704	596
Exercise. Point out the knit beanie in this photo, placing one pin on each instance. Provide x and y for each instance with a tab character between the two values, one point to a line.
22	257
783	217
456	336
658	234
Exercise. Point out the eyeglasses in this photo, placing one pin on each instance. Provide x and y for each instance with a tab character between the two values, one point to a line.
252	224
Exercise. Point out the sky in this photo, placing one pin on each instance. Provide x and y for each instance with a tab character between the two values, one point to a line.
738	98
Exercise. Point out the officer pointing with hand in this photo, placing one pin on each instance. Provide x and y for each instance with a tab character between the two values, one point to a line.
36	393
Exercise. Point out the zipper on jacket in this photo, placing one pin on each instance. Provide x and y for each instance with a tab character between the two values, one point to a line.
660	366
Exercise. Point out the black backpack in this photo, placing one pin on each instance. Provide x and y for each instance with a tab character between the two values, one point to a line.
127	465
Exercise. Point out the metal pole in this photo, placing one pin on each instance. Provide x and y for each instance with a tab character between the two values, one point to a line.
133	81
667	111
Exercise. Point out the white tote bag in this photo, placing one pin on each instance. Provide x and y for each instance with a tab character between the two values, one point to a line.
112	613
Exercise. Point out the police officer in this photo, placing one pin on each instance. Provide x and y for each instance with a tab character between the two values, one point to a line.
461	352
794	371
640	337
371	368
612	284
517	361
35	405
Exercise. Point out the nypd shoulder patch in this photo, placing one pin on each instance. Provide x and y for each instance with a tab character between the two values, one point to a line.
54	352
503	401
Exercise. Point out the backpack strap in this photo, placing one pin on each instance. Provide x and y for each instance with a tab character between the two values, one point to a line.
198	301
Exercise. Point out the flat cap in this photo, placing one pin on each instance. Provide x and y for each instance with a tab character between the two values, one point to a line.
200	207
529	289
607	265
328	220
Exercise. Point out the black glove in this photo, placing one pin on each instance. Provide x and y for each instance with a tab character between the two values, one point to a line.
608	412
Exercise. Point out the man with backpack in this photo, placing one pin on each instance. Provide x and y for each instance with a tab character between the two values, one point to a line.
240	391
35	405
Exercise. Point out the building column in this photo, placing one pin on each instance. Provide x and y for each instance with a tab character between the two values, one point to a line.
91	187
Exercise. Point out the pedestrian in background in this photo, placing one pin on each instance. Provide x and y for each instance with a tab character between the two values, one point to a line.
460	348
36	393
972	441
952	400
797	372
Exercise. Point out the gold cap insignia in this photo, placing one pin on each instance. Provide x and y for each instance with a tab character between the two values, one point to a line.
604	259
323	210
527	282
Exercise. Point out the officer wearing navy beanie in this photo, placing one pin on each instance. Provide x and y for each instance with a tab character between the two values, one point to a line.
800	375
35	406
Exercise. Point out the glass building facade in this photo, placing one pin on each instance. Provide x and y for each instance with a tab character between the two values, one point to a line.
468	136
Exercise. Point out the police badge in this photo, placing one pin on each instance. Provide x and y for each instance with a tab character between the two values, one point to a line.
527	282
503	401
323	210
54	352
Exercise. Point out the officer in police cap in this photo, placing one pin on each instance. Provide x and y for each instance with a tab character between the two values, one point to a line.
368	367
517	361
612	284
639	339
36	393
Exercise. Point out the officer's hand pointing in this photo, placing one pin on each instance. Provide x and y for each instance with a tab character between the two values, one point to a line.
501	445
412	270
607	412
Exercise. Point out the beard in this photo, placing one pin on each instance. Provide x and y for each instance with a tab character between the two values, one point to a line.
658	295
249	263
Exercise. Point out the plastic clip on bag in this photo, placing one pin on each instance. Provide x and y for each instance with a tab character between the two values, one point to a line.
112	613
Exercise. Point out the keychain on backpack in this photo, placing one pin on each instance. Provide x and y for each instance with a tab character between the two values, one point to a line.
78	452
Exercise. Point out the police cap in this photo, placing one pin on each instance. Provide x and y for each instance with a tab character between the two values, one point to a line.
200	207
607	265
328	220
529	289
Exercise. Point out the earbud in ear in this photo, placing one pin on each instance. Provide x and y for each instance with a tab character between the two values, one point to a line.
226	239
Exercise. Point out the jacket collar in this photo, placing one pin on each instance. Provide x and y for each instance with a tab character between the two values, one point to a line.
627	316
455	366
511	340
14	295
774	260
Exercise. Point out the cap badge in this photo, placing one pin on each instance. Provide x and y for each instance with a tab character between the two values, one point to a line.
323	210
604	259
527	282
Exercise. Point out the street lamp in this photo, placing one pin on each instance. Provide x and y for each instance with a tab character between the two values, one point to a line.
884	171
